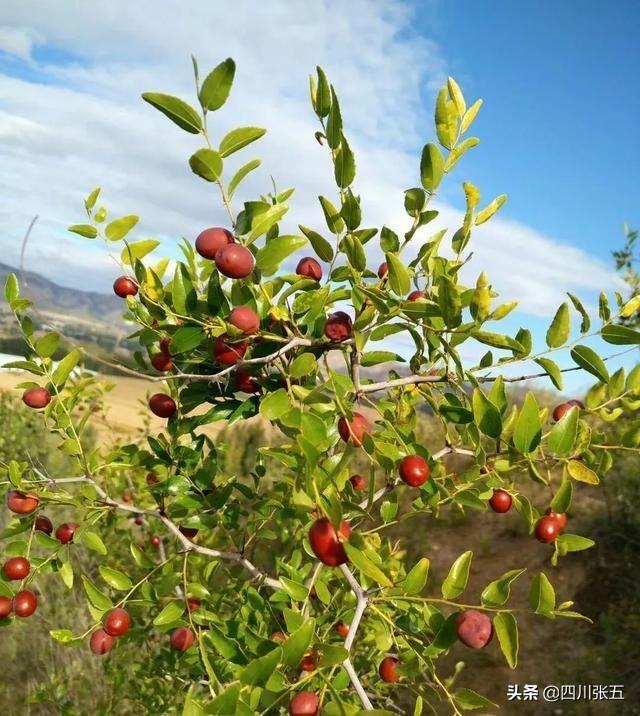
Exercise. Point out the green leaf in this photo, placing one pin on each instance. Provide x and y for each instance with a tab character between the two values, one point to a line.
97	599
586	321
590	361
334	122
66	572
298	592
580	472
90	540
574	543
527	431
64	368
238	138
275	405
630	307
562	437
65	636
171	613
265	220
206	163
178	111
257	672
332	216
558	332
449	302
506	628
486	415
497	593
562	498
86	230
240	175
183	293
445	121
186	339
552	370
468	700
11	288
115	579
47	345
470	115
137	251
217	85
275	251
119	228
226	702
497	340
431	167
542	597
415	581
323	94
399	275
344	165
295	647
320	245
456	581
620	335
376	357
365	565
490	209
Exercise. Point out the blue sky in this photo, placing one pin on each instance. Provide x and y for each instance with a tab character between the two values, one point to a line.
557	128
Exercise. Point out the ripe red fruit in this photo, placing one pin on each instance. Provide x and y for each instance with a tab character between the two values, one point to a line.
155	541
100	642
234	261
310	268
25	603
306	703
16	568
354	429
383	271
245	382
162	362
44	524
308	663
564	408
22	503
244	319
325	541
152	478
387	669
64	533
125	286
342	629
193	604
164	345
117	622
414	470
474	629
547	529
500	501
6	606
36	398
415	295
138	520
338	326
227	353
210	241
358	482
182	638
560	517
127	497
162	405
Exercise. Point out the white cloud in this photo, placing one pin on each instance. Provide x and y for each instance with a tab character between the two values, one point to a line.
82	124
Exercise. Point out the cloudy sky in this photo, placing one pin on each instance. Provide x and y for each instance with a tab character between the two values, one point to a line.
557	130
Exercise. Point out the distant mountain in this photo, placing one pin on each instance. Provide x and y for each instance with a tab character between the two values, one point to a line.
49	297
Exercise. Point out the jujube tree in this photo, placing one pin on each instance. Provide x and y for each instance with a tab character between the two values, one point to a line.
281	591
